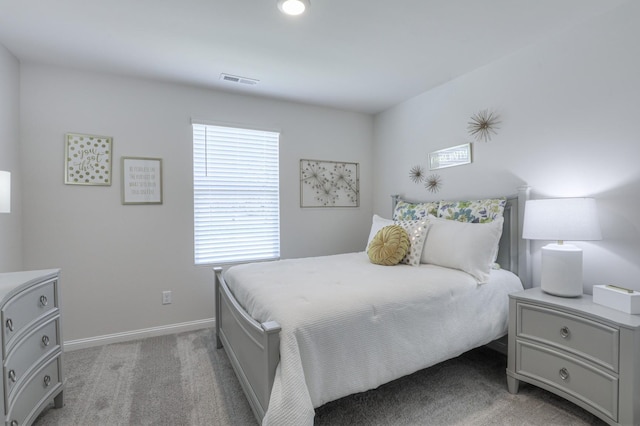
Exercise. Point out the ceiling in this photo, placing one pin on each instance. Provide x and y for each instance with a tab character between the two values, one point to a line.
359	55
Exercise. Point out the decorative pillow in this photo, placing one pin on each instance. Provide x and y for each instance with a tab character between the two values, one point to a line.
377	224
478	211
389	246
469	247
417	231
414	211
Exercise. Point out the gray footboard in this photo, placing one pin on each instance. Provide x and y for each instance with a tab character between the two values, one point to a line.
253	348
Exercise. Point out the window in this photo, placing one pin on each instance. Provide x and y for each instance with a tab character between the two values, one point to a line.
236	198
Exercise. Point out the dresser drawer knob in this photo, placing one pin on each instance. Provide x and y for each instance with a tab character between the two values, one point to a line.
45	340
564	332
43	300
564	374
12	375
9	324
14	423
47	380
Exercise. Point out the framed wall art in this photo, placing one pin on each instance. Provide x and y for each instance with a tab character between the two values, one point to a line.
87	159
329	184
450	157
141	180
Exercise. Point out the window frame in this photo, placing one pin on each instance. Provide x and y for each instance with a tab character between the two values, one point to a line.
231	162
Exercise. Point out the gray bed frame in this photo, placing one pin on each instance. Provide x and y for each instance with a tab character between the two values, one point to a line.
254	348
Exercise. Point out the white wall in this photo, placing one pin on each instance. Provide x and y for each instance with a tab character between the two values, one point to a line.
116	259
569	108
10	224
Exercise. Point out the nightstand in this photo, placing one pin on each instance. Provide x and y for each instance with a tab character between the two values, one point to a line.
586	353
31	344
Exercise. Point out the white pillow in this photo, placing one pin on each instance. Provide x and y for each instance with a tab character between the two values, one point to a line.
417	231
377	224
469	247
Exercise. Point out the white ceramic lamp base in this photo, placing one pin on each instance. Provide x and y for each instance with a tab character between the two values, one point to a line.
561	270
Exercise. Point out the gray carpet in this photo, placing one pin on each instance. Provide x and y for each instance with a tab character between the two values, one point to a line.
182	379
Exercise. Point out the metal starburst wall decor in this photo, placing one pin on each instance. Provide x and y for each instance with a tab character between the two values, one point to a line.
433	183
417	174
329	184
483	124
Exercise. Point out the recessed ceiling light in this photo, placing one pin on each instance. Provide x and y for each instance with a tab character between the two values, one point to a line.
293	7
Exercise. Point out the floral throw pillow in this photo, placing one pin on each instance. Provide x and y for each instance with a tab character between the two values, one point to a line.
476	211
414	211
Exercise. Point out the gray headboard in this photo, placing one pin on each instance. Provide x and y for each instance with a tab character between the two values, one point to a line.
514	252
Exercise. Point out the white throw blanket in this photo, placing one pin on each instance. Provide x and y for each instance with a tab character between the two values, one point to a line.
349	325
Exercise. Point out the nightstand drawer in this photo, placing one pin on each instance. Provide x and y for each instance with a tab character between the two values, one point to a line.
25	308
38	345
591	385
40	387
595	341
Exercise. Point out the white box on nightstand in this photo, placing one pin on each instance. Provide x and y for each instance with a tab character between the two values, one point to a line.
621	299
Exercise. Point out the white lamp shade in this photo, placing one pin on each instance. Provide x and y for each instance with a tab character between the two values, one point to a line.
561	219
5	192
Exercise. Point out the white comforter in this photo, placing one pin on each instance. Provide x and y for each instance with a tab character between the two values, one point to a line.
349	325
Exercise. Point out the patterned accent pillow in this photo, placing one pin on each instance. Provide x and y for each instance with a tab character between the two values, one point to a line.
478	211
389	246
414	211
417	231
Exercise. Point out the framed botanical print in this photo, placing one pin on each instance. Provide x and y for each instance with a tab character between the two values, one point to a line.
329	184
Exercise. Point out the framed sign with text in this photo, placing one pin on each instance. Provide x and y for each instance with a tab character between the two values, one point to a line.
87	159
450	157
141	180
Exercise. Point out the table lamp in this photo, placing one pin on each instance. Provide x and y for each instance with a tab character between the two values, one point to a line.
561	219
5	192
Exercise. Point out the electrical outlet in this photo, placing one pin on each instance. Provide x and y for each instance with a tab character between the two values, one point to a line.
166	297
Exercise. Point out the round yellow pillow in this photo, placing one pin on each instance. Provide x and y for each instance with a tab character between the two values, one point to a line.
389	246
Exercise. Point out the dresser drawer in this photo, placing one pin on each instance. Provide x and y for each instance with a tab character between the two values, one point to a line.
40	388
591	385
592	340
25	308
29	351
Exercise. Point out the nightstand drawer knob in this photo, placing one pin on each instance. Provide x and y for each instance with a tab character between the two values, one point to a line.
12	375
564	332
43	300
45	340
9	324
14	423
47	380
564	374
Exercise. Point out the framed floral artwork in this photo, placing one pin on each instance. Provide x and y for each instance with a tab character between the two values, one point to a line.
329	184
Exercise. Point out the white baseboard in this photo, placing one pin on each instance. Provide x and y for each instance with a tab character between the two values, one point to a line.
126	336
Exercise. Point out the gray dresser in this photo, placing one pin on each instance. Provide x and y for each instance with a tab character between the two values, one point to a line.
579	350
31	345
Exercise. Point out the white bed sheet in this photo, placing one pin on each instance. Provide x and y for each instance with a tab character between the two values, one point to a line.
349	325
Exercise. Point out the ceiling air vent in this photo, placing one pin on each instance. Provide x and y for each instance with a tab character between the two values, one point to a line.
238	79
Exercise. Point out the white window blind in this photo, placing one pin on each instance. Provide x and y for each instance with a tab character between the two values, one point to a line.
235	194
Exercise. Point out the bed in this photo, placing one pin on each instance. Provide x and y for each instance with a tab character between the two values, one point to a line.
303	332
